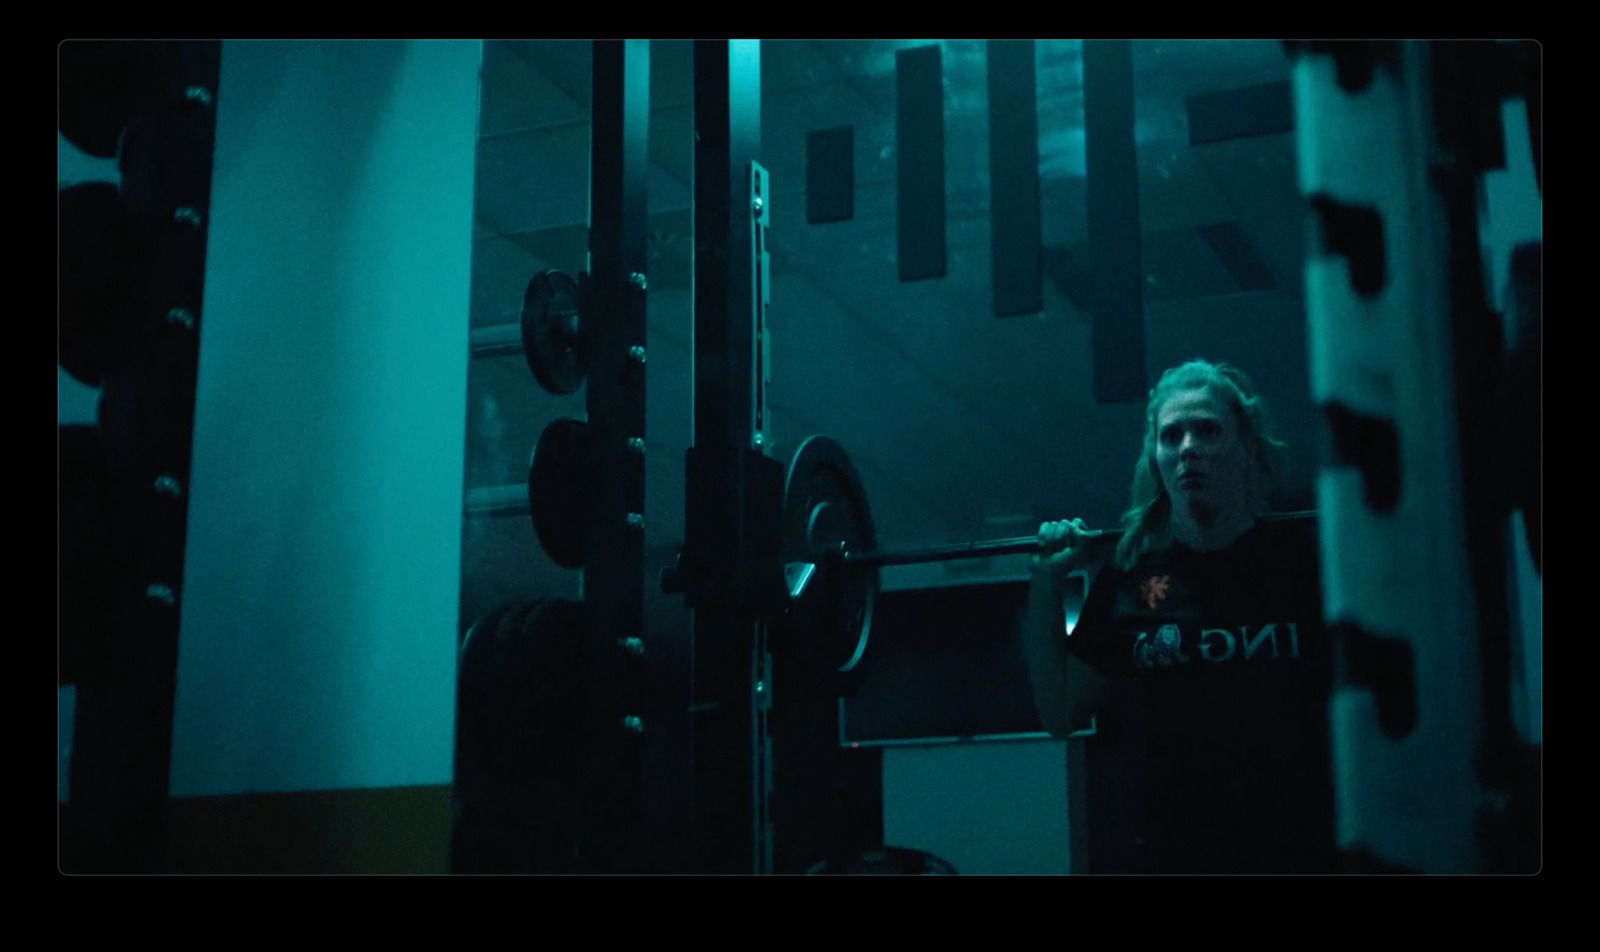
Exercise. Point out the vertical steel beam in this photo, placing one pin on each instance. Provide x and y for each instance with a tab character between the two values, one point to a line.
733	489
613	574
1405	361
122	748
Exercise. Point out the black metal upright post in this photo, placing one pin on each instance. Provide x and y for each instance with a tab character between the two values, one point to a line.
1466	95
1408	367
122	744
733	489
613	575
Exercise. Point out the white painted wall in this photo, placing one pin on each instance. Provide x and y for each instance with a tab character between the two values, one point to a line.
994	808
322	571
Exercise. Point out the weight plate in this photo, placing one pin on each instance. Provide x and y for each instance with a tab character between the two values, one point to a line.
507	755
563	490
475	637
474	678
85	563
556	702
484	677
530	742
146	406
169	143
552	332
98	279
527	713
825	506
101	84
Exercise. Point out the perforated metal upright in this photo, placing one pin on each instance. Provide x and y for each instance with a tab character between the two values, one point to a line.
613	573
1407	362
734	490
122	744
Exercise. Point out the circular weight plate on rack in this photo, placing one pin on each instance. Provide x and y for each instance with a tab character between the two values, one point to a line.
98	280
552	332
86	594
557	705
529	742
825	506
476	666
101	84
563	483
528	712
473	639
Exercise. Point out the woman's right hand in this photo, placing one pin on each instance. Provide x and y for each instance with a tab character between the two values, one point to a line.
1061	550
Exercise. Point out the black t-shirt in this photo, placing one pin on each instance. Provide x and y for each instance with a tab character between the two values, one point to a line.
1214	756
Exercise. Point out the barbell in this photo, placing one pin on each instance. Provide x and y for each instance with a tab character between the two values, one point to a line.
1021	545
831	560
828	547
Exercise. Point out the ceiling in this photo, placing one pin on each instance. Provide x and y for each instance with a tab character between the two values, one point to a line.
963	425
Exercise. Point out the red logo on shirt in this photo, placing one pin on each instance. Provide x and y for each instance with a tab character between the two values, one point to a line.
1153	590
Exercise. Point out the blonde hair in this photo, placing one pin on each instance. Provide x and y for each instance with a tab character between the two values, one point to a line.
1147	524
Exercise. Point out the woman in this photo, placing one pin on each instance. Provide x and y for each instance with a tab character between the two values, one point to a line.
1200	651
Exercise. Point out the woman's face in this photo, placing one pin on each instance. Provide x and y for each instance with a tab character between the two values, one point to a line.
1201	454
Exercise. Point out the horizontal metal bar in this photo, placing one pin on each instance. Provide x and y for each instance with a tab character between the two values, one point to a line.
1013	546
497	340
497	500
947	553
